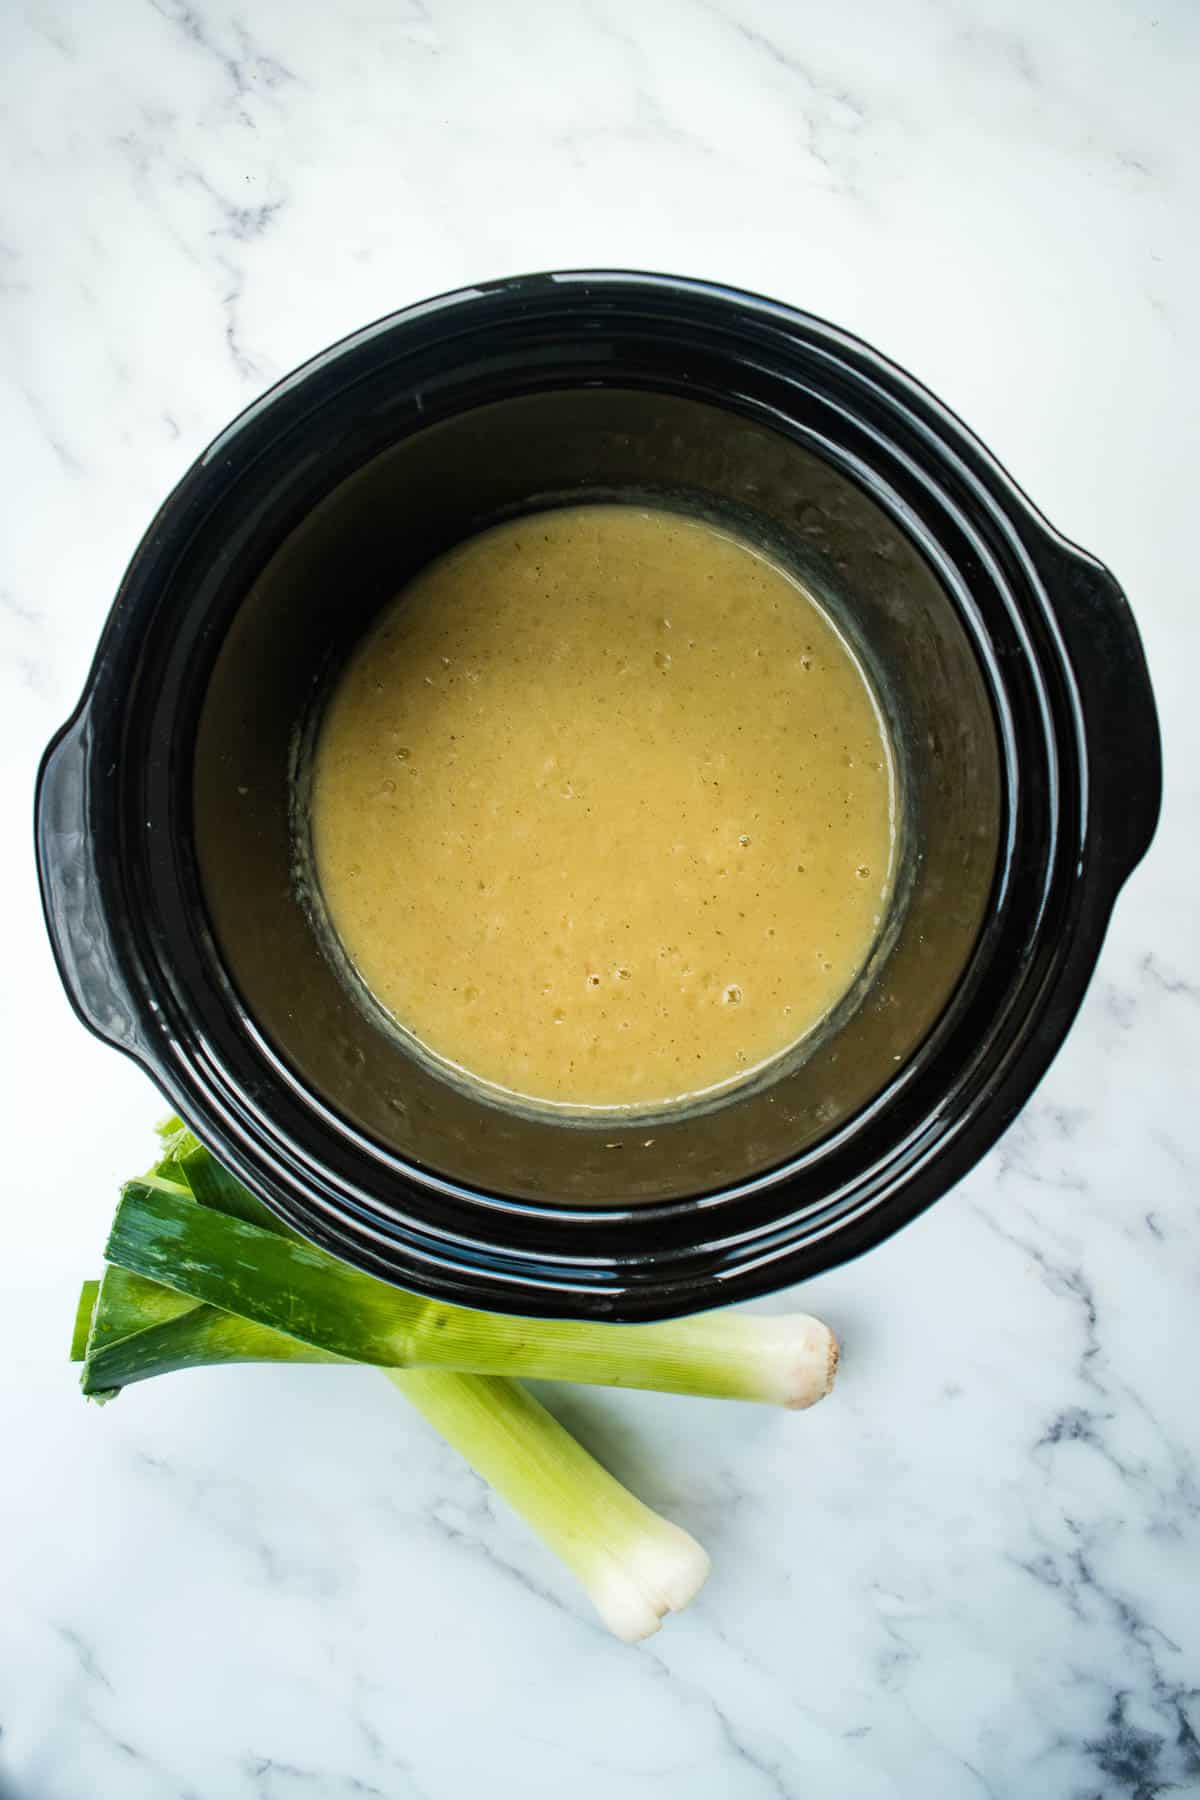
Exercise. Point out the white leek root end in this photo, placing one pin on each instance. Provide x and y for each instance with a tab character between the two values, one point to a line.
808	1355
633	1594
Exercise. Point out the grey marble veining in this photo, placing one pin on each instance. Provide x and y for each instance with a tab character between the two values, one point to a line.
975	1570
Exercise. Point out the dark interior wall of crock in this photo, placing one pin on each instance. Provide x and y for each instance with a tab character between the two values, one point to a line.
359	546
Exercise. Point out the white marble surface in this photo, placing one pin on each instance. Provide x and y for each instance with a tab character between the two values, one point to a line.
975	1570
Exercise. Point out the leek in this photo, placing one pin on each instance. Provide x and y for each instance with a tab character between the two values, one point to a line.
634	1565
294	1288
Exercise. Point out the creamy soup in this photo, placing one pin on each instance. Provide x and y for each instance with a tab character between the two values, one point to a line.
603	809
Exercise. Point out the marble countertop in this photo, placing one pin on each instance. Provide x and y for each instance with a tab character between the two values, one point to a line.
974	1570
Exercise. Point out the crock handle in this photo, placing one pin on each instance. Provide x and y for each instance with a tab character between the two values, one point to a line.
80	933
1124	749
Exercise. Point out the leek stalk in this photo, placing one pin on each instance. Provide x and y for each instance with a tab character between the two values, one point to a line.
635	1565
294	1288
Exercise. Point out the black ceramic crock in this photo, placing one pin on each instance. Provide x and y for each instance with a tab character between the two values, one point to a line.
1007	660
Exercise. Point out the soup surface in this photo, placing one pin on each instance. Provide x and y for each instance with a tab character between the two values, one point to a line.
603	809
